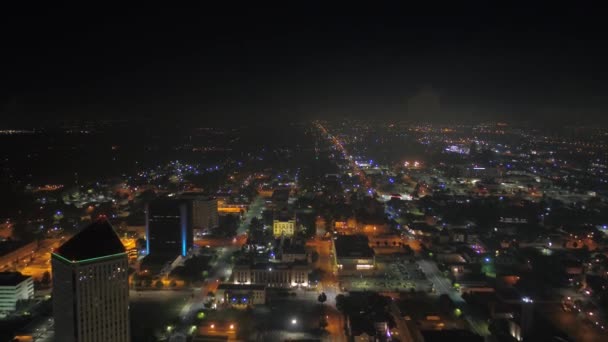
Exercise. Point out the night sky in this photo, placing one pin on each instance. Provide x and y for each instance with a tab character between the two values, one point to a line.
207	64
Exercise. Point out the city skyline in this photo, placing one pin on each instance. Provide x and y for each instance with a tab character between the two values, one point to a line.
388	172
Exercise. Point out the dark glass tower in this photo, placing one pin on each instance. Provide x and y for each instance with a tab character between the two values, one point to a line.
168	228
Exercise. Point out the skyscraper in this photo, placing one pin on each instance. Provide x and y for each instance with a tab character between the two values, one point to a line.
203	211
91	287
168	228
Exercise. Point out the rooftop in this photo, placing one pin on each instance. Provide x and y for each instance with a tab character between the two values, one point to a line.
96	240
11	278
165	207
273	265
353	246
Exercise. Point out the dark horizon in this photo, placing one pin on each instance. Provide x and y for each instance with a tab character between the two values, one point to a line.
483	63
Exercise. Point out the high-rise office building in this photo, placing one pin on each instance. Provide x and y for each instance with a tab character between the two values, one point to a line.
91	287
168	228
203	211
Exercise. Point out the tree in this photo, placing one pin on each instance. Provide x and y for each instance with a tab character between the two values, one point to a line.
46	278
135	280
315	275
23	232
159	284
314	257
341	302
445	304
322	298
173	284
323	323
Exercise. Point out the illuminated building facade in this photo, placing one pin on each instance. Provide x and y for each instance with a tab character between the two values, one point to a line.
90	287
240	295
285	228
272	275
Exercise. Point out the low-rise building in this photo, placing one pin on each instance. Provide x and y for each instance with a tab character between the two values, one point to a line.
14	287
241	295
272	274
353	254
286	228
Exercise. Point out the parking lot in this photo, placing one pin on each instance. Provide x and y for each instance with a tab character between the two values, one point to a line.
400	275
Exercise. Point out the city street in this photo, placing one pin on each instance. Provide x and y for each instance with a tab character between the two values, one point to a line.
330	286
222	269
444	285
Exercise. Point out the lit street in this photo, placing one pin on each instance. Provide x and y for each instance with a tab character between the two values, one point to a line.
444	285
267	173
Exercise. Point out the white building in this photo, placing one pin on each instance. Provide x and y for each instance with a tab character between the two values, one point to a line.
14	287
91	287
272	275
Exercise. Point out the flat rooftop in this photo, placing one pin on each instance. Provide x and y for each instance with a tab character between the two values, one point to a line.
353	246
11	278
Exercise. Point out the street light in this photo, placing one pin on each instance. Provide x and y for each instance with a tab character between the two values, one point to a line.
294	321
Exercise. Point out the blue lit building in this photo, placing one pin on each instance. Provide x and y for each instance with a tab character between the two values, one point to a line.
168	228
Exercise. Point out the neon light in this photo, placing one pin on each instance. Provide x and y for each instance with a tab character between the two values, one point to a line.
184	224
90	259
62	258
147	230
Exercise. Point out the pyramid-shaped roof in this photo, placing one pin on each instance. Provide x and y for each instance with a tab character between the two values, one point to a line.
97	240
